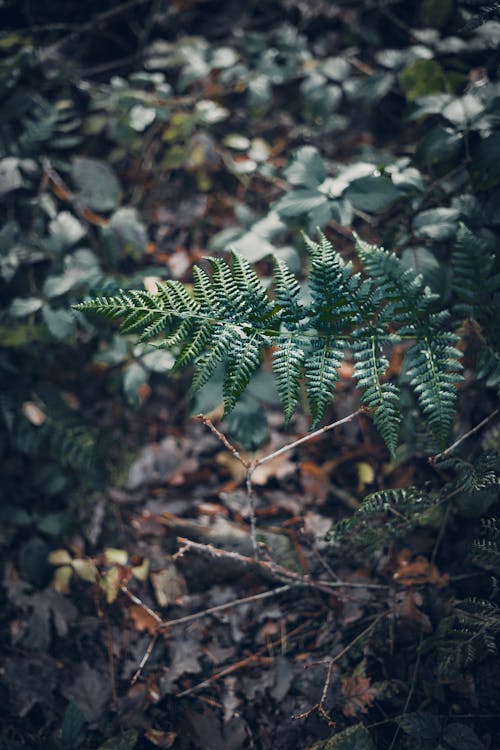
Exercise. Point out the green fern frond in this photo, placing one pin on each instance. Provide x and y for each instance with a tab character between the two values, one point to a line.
288	361
370	366
486	549
244	360
322	372
382	517
468	636
434	370
231	317
286	294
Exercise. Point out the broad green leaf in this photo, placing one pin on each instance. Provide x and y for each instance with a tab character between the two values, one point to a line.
61	322
298	202
73	726
462	737
129	231
353	738
66	229
125	741
374	193
436	224
422	724
335	68
307	168
10	175
421	78
439	145
140	117
98	187
247	423
486	158
463	111
436	13
23	306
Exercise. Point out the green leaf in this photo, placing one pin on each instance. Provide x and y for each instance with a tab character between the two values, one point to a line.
66	230
436	224
374	193
22	306
422	724
462	111
485	160
134	377
10	175
421	78
353	738
439	145
97	185
462	737
129	232
298	202
73	726
247	423
61	322
436	13
307	168
125	741
140	117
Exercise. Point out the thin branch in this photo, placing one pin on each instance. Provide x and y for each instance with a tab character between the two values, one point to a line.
208	422
306	438
320	706
144	659
251	466
135	599
243	662
220	607
466	435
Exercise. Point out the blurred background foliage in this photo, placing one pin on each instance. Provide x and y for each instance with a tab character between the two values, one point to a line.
137	137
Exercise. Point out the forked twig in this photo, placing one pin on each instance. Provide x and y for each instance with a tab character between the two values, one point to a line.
251	466
320	705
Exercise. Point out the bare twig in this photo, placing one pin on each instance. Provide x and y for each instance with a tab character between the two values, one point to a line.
251	466
320	705
162	625
144	659
243	662
466	435
220	607
225	442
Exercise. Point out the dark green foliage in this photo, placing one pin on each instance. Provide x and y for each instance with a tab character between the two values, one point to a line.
486	548
385	516
231	318
468	636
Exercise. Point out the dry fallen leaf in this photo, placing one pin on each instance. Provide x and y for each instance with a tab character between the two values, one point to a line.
142	619
359	695
418	571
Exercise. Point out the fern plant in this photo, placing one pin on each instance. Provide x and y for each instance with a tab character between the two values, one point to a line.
231	318
477	285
